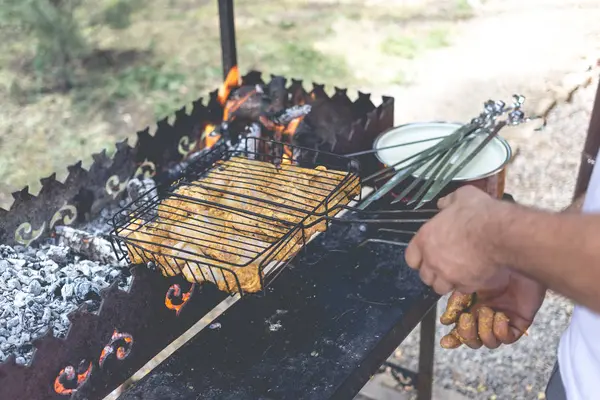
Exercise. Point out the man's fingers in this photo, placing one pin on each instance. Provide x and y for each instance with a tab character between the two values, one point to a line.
467	330
451	340
442	286
427	276
485	319
412	254
457	303
504	331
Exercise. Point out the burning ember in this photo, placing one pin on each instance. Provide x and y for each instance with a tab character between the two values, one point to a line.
287	115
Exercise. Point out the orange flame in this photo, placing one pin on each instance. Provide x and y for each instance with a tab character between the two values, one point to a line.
175	291
69	372
232	106
210	136
232	81
292	126
287	157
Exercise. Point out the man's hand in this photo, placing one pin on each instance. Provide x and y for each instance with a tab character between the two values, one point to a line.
494	317
455	249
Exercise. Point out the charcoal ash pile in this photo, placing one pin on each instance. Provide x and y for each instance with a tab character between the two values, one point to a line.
41	285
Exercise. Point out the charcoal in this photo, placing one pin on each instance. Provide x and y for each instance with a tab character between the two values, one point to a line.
58	254
3	265
40	287
35	288
140	193
141	190
92	247
67	291
326	127
18	264
83	290
7	252
20	299
14	284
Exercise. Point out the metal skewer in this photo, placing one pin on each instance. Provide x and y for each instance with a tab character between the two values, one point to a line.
431	181
440	147
445	145
436	189
371	151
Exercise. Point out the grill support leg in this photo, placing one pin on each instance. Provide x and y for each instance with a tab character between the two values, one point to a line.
590	149
426	353
227	25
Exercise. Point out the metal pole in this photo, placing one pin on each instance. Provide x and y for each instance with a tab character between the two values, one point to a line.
227	25
590	149
426	353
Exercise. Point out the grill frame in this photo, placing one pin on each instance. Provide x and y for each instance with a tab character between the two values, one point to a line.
272	262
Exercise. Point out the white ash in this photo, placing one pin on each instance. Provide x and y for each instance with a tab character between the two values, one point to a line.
101	224
141	192
137	190
246	144
39	287
92	247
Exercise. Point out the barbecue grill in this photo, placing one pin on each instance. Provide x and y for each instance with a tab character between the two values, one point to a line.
325	326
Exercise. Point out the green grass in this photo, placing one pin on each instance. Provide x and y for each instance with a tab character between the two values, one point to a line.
462	9
404	47
437	38
413	44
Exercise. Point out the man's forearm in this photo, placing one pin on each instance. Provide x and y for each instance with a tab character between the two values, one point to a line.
560	250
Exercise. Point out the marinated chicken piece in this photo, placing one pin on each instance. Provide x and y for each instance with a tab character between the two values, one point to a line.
179	205
141	236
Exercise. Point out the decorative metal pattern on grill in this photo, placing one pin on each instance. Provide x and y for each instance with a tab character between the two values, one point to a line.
237	214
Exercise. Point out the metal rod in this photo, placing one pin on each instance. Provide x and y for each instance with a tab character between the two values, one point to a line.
371	151
590	149
227	25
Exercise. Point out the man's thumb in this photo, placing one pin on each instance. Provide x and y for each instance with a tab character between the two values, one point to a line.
412	255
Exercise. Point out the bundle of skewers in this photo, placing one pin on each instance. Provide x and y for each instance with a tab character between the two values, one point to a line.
435	167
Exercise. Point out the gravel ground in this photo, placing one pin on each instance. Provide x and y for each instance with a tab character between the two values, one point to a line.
544	175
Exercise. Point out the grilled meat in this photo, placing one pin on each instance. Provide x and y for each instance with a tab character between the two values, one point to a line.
241	217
